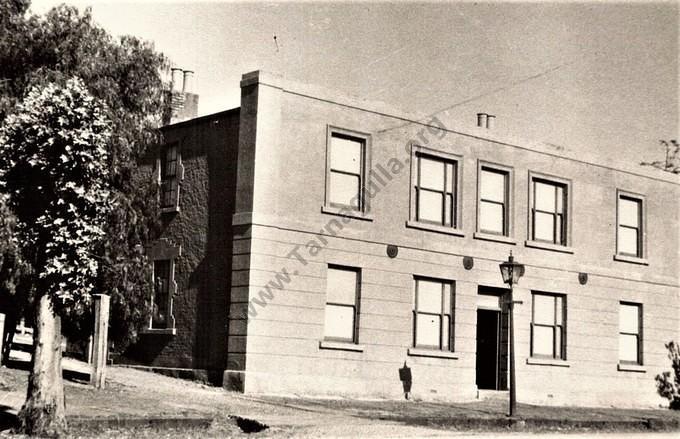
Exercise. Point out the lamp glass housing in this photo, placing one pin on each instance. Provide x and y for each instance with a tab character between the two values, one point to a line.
511	271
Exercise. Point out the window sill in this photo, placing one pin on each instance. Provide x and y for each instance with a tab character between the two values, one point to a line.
159	331
631	259
495	238
548	246
435	228
547	362
170	209
346	212
631	368
341	346
419	352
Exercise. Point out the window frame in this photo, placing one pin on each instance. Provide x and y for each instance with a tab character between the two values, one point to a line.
167	289
456	160
162	179
364	202
355	307
567	209
638	335
642	228
508	205
442	314
563	327
160	250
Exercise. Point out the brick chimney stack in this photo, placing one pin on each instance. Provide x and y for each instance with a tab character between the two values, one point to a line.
183	100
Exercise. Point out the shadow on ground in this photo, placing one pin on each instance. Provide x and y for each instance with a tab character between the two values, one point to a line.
68	374
8	420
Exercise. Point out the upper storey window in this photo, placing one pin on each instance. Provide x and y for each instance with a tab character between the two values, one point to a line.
494	200
347	162
549	215
170	173
435	191
629	236
346	171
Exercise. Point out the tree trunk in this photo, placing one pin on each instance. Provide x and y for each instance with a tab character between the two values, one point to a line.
43	413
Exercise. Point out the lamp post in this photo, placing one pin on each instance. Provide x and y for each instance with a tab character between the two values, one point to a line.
511	272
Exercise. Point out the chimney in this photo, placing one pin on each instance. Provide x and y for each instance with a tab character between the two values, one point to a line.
490	121
183	101
485	120
176	80
188	81
481	120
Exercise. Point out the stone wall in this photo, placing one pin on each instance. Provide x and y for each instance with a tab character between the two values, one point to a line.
285	219
202	227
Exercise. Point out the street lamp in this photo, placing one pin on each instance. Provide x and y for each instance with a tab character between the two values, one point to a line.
511	272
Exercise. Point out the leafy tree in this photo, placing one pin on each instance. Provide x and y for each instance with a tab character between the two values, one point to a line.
668	383
126	74
53	165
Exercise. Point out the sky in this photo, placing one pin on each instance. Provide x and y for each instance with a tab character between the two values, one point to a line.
600	77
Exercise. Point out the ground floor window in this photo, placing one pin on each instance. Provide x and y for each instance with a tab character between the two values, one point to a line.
163	253
161	294
342	297
630	330
548	335
433	314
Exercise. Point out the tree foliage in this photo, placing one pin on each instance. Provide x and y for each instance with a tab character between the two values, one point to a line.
53	166
54	169
12	267
672	159
126	75
668	383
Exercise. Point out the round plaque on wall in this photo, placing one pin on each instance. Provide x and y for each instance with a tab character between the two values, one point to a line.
583	278
468	262
392	251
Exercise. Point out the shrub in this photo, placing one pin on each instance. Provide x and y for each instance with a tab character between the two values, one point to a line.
668	383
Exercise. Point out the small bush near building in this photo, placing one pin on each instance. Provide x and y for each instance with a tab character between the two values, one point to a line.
668	383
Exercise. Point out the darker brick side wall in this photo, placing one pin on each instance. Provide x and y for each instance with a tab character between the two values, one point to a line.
208	148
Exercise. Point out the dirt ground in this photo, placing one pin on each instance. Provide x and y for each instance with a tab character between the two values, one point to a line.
135	394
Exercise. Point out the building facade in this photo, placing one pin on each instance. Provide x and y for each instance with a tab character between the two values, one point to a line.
318	244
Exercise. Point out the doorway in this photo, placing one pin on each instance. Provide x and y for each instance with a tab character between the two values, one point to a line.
488	348
492	339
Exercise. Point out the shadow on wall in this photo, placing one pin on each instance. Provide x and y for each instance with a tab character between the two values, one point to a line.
406	379
146	350
212	278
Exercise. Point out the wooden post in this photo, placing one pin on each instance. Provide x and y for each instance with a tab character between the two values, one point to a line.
90	351
101	335
2	335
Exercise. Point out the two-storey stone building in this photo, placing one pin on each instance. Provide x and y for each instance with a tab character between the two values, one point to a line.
319	244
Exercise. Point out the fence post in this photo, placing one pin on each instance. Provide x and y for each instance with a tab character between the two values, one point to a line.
101	335
90	350
2	335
